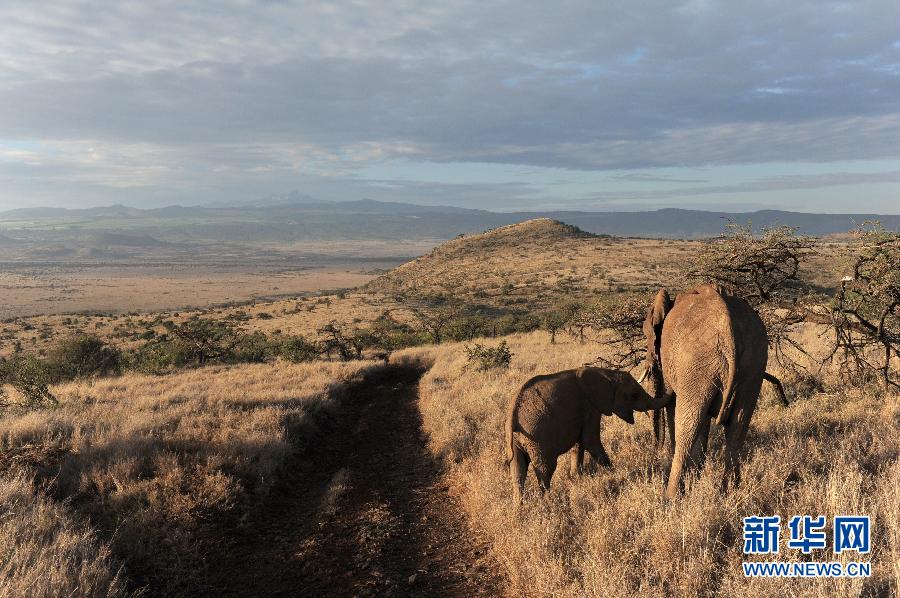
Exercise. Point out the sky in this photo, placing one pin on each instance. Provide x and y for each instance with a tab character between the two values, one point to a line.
593	105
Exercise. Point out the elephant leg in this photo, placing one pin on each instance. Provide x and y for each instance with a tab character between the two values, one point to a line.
698	451
736	433
590	441
577	466
599	454
595	448
518	468
543	469
689	419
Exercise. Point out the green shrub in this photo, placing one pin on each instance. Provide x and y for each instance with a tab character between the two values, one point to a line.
389	334
487	358
206	339
297	349
467	327
252	348
83	356
347	345
158	357
31	378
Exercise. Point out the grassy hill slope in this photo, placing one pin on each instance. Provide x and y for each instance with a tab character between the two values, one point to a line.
536	260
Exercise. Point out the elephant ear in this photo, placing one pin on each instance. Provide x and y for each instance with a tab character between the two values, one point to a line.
597	389
653	323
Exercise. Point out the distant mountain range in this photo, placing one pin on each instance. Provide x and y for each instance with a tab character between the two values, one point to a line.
294	217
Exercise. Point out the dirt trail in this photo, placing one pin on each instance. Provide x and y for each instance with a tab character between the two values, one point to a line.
365	513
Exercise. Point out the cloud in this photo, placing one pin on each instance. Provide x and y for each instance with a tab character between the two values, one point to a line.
643	177
179	93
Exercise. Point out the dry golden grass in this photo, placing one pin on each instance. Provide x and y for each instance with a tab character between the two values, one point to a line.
152	462
536	258
613	533
147	464
46	552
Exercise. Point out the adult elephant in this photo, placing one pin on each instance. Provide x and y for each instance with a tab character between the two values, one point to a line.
708	352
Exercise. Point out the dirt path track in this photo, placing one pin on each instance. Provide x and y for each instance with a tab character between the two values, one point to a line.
364	513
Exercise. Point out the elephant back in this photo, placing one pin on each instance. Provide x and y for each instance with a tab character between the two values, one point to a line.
712	342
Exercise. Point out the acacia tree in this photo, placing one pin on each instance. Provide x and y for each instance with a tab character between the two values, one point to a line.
554	320
84	356
763	269
866	311
435	319
205	339
564	316
348	345
618	320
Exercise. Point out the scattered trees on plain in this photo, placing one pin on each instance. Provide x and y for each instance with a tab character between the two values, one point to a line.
762	267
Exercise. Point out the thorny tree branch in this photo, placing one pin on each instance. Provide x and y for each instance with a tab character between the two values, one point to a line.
865	315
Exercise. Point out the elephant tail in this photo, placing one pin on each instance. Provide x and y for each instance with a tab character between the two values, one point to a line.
778	387
728	391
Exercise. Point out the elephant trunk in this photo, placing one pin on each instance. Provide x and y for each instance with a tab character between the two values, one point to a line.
652	380
655	397
656	403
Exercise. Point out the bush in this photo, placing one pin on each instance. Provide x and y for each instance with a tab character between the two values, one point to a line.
158	357
488	358
83	356
348	345
465	328
515	323
761	268
205	339
253	348
31	378
389	334
297	349
619	319
764	269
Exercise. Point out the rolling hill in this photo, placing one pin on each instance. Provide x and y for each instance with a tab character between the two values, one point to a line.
532	261
294	218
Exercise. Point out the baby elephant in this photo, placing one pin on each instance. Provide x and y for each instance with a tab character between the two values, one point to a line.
554	412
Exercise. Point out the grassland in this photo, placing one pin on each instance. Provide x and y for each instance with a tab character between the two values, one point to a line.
613	534
518	269
126	483
130	476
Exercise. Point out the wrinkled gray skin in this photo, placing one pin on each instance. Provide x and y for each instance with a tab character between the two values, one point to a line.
553	413
707	352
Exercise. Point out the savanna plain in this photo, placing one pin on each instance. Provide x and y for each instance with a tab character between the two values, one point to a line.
270	437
